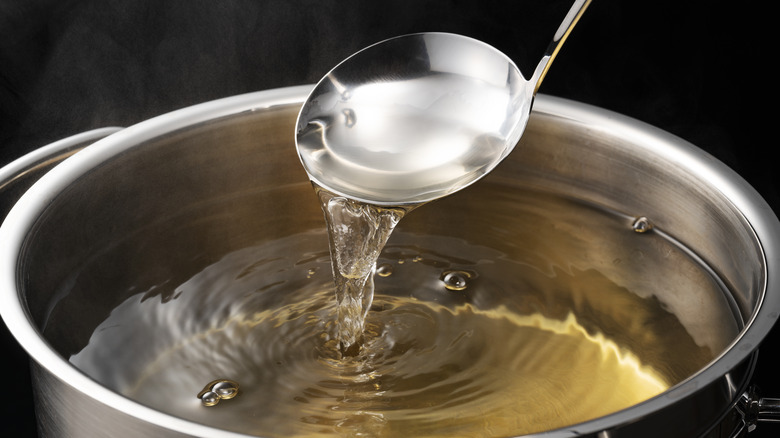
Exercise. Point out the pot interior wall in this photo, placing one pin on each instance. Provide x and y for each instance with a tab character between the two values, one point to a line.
150	218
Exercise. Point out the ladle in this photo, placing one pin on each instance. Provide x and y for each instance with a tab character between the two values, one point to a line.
417	117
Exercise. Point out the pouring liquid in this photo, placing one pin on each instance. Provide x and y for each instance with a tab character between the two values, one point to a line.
357	232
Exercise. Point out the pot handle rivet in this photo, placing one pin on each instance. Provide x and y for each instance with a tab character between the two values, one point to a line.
756	409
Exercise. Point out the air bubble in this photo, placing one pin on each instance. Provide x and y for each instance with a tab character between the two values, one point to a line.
225	389
384	270
209	398
216	390
455	280
642	225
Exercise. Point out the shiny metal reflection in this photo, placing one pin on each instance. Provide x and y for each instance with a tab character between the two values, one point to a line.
417	117
129	179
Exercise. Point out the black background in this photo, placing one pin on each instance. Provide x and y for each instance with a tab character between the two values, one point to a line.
698	69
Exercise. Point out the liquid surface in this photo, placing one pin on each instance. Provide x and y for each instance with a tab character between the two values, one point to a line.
502	311
434	362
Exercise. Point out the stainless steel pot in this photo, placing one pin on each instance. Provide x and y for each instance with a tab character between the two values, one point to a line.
217	152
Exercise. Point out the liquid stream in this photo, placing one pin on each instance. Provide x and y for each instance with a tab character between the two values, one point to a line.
357	232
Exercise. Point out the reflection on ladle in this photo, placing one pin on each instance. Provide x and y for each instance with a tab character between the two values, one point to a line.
417	117
400	123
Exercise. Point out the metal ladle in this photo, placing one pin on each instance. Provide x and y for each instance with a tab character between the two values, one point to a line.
417	117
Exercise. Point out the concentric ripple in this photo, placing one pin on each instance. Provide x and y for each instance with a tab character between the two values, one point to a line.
437	360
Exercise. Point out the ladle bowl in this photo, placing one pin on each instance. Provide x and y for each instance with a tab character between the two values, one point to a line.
412	119
417	117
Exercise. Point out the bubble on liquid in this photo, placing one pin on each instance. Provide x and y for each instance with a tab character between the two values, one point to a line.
642	225
216	390
209	398
455	280
225	389
384	270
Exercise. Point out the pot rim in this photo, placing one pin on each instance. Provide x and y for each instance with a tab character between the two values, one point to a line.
745	199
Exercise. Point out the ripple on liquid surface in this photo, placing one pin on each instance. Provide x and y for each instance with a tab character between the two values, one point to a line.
434	363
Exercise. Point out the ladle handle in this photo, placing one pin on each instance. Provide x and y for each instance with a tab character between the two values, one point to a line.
568	23
17	176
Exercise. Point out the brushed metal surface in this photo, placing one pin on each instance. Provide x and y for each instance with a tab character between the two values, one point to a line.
170	163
